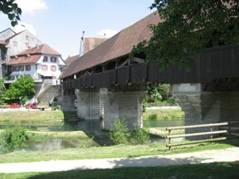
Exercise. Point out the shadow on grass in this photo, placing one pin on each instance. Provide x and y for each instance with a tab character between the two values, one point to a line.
233	141
212	171
90	127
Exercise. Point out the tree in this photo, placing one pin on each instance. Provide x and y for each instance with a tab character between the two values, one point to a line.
11	9
188	26
21	90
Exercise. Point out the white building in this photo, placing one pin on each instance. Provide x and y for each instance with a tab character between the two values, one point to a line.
41	62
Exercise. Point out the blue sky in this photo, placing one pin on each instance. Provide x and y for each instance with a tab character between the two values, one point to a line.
60	22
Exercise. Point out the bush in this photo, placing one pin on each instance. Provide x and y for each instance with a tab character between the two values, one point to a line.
120	132
13	138
20	91
140	136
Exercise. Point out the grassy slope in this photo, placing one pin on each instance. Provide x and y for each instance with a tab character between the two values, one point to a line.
105	152
212	171
164	114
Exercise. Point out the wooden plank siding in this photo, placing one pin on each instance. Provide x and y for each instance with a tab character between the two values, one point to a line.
212	64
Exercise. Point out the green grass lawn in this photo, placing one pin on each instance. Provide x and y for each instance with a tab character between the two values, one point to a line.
200	171
87	148
41	118
117	151
163	114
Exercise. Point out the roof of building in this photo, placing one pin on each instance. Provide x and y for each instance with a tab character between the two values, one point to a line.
16	34
70	59
41	49
32	55
92	42
22	60
119	45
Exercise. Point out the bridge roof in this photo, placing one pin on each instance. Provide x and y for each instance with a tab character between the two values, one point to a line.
118	46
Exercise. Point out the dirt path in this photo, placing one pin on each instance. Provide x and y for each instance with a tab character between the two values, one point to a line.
227	155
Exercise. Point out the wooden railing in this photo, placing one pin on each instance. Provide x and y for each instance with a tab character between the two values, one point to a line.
222	129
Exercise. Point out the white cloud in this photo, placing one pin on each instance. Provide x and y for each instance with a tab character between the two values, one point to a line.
31	6
25	26
107	33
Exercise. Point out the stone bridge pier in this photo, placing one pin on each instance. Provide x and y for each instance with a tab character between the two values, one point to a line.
107	106
121	105
203	106
87	104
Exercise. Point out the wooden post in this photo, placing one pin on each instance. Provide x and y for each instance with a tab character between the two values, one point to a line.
229	129
169	139
211	130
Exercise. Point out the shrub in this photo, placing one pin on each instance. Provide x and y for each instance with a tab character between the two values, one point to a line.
140	136
20	91
13	138
120	132
152	117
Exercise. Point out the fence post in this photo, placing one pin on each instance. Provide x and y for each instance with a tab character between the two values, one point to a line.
229	129
169	139
211	131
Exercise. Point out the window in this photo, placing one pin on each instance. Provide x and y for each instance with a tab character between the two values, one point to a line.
45	59
14	68
28	67
44	68
21	68
53	59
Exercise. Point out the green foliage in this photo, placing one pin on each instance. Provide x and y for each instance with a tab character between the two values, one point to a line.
11	9
139	136
2	91
13	138
189	26
165	114
21	90
158	94
120	132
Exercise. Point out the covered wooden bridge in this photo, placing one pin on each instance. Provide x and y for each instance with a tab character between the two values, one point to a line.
109	84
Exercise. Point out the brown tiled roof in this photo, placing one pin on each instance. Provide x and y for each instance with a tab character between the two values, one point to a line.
119	45
21	60
41	49
32	55
69	60
91	42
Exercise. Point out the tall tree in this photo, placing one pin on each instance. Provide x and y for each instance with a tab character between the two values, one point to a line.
11	9
188	26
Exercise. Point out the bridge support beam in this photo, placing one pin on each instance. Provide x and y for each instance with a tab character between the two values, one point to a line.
123	105
88	104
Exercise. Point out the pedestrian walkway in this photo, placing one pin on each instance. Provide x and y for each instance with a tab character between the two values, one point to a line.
227	155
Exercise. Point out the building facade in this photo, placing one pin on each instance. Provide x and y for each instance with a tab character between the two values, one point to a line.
12	43
41	62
